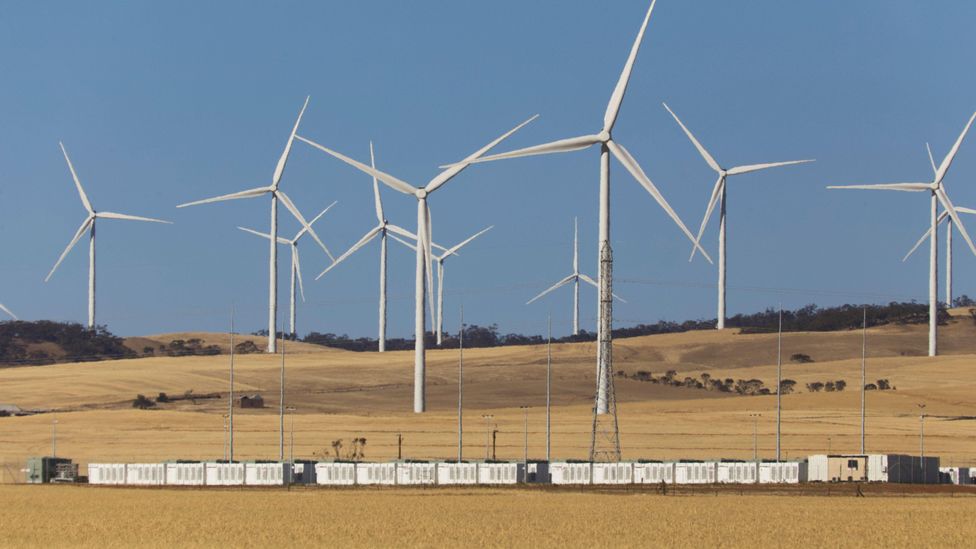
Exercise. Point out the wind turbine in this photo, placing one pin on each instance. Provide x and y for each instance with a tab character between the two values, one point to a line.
276	195
382	228
608	146
575	278
938	195
89	225
440	276
296	266
424	255
6	310
944	216
719	197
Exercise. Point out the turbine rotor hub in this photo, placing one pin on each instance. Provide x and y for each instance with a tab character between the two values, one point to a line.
604	136
422	194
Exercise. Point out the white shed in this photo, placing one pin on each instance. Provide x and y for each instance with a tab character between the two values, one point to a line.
737	472
564	472
185	474
695	472
613	473
266	473
335	473
416	472
454	472
106	473
653	472
220	473
498	472
145	474
783	472
376	473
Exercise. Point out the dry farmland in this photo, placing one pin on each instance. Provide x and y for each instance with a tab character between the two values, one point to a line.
104	517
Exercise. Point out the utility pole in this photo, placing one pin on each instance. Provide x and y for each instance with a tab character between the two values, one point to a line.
864	379
399	446
487	418
54	437
461	388
291	451
755	436
779	384
525	431
225	436
494	437
230	401
281	404
921	436
549	391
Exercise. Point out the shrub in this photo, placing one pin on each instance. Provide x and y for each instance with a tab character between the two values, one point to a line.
246	347
883	385
840	384
800	358
870	387
815	387
142	402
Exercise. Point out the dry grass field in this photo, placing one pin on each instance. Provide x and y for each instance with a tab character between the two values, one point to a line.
105	517
343	395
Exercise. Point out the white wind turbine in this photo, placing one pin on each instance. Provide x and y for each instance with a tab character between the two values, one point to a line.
575	278
719	197
938	195
296	266
276	195
943	217
6	310
89	225
607	147
440	276
424	255
382	229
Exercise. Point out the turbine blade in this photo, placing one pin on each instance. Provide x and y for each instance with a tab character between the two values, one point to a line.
917	244
428	259
455	169
298	270
280	168
956	220
451	251
625	158
404	242
560	146
593	283
613	107
701	148
960	209
947	161
389	180
555	286
935	169
907	187
712	201
113	215
6	310
738	170
302	231
266	236
301	219
74	175
250	193
377	202
362	242
401	231
81	231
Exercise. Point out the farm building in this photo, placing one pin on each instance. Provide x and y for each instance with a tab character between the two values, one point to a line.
416	472
653	472
145	474
185	473
222	473
41	470
492	472
903	469
457	472
106	473
956	475
613	473
695	472
335	473
782	472
266	473
568	472
376	473
251	401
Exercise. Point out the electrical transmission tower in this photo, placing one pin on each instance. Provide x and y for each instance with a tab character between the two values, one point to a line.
605	440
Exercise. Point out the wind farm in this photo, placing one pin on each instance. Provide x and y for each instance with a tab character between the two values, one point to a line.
811	391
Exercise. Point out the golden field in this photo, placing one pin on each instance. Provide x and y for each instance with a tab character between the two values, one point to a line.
344	395
106	517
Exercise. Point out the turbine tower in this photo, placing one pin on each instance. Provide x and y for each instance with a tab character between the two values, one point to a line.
938	195
276	195
89	225
382	229
719	197
608	146
424	255
296	266
575	278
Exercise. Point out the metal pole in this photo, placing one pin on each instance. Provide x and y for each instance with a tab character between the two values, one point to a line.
755	436
864	354
461	388
494	437
399	446
225	437
549	391
779	384
54	437
487	418
281	404
525	431
230	401
921	436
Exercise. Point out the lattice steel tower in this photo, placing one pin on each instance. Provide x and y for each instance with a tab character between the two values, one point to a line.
605	439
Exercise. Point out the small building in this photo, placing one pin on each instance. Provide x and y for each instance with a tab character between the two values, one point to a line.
145	474
498	472
653	472
571	472
457	472
266	473
303	472
695	472
838	468
903	469
534	472
185	473
956	475
41	470
251	401
410	473
376	473
106	473
737	472
621	472
335	473
223	473
782	472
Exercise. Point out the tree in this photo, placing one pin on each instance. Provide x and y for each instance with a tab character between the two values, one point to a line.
800	358
142	403
870	387
336	447
786	386
815	387
883	385
840	384
829	387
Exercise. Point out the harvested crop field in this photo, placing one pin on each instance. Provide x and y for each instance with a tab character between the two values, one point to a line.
49	516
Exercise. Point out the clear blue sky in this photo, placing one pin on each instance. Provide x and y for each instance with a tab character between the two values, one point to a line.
161	103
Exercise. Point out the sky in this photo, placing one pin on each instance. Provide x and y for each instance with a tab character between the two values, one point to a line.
163	103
